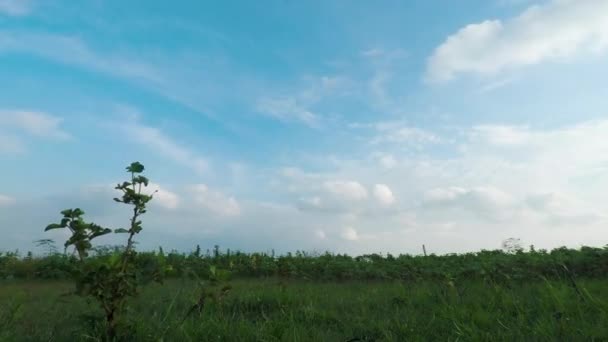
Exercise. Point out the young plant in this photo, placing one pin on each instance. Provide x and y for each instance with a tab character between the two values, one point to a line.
114	278
214	289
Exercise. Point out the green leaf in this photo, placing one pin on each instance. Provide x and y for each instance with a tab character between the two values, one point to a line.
101	232
135	167
53	226
142	180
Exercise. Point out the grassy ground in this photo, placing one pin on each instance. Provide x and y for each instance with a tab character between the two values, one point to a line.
270	310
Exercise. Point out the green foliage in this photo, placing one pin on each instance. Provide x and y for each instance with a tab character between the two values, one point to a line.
82	232
497	265
109	278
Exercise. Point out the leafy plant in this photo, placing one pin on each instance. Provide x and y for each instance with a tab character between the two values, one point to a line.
113	278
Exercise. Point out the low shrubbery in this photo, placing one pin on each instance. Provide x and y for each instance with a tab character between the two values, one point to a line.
584	262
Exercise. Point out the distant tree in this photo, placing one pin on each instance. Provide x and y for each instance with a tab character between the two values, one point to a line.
48	244
512	245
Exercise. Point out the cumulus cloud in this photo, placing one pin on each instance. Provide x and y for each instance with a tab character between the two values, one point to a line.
162	196
561	209
320	234
387	161
543	186
350	234
557	29
383	194
215	201
488	202
346	189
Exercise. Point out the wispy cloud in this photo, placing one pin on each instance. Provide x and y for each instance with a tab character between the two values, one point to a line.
287	109
6	200
397	132
15	7
158	141
10	144
17	126
558	29
38	124
176	78
72	50
298	106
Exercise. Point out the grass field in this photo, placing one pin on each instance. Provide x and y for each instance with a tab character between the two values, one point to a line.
275	310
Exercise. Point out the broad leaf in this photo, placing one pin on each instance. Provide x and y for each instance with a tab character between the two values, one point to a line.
53	226
136	167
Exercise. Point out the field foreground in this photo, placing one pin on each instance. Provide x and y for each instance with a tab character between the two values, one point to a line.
276	310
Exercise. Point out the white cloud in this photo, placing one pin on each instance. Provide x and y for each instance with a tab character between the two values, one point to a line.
287	109
471	198
215	201
320	234
159	142
175	76
11	144
558	29
163	197
547	188
15	7
399	132
299	105
405	135
383	194
387	161
33	123
560	209
501	135
6	200
483	203
346	189
18	125
350	234
476	199
72	50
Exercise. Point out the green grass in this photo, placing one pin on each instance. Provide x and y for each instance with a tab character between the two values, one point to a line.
273	310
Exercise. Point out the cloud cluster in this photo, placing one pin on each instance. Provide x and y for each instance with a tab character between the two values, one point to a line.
556	30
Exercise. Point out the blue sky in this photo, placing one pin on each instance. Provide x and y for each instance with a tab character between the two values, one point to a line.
309	125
